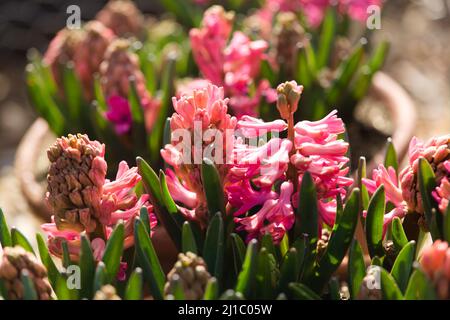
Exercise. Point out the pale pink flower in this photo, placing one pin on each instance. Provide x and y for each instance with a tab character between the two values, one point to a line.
251	127
233	65
435	259
203	110
275	217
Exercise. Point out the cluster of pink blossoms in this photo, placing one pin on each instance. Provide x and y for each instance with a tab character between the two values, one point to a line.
261	181
230	60
435	262
257	169
403	191
84	201
204	110
314	10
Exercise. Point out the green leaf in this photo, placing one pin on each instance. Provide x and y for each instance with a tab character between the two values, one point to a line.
168	200
101	276
398	234
153	187
148	260
390	159
290	270
301	292
213	187
264	276
420	287
326	38
427	184
267	243
403	265
338	244
307	219
145	218
211	290
246	278
188	241
345	73
356	268
29	293
238	249
134	286
361	175
389	287
213	249
73	94
374	222
18	239
113	252
87	268
66	255
52	270
5	236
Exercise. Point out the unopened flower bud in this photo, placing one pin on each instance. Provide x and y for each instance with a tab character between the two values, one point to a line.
289	94
123	17
14	262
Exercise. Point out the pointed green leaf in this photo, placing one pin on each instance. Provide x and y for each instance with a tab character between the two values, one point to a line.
5	236
246	278
290	270
420	287
301	292
87	268
213	249
327	34
134	286
18	239
238	249
403	265
398	234
101	277
361	175
427	184
334	288
148	260
113	252
188	239
389	287
356	268
390	159
374	222
145	218
66	255
264	276
446	223
211	290
52	270
213	187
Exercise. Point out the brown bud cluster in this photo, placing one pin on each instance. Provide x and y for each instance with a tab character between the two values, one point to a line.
15	262
191	271
123	17
75	181
107	292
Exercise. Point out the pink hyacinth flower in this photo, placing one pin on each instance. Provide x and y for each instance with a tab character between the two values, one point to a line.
276	217
388	178
119	114
251	127
435	259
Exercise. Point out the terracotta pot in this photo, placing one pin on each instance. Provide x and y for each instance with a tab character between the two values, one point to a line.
32	148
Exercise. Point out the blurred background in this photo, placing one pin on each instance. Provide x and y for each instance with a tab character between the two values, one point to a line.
419	32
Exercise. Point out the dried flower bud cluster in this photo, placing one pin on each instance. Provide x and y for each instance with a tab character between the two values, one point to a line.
289	38
75	181
90	52
123	17
191	271
15	262
107	292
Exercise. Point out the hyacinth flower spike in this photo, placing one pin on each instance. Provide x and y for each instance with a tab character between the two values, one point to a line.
84	201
